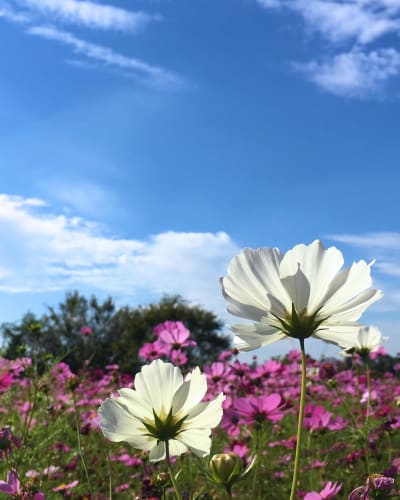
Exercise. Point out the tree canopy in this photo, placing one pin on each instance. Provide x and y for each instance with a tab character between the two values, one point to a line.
80	329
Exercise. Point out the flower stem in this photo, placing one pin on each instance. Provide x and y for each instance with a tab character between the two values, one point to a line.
256	473
171	474
366	430
80	451
300	421
228	489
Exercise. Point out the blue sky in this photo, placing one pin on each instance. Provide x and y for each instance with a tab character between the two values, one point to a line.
144	143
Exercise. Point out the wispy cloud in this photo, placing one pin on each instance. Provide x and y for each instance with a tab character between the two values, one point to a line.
376	240
30	13
361	20
338	20
354	73
10	14
88	14
138	68
45	251
384	247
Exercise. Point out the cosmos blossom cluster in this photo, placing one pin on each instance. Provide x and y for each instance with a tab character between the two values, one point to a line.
346	413
260	398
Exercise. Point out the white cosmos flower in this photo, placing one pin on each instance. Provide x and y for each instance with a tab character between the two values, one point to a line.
303	293
163	407
367	339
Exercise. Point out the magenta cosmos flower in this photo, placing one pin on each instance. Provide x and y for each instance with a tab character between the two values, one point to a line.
258	409
302	293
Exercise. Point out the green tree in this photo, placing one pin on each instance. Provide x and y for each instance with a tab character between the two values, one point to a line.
136	327
116	334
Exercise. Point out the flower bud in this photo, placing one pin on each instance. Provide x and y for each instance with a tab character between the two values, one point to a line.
225	468
162	479
380	482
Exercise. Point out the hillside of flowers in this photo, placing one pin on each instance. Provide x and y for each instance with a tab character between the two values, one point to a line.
52	445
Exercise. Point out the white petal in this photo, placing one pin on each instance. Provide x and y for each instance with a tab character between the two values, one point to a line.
117	424
347	286
198	441
255	335
298	289
157	452
190	393
337	334
352	310
243	310
318	265
367	337
134	403
157	384
176	448
253	277
207	414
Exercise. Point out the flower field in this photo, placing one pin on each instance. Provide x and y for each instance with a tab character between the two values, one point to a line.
286	428
52	446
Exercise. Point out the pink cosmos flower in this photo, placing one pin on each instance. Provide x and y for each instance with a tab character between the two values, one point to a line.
85	331
239	449
330	491
66	487
152	350
178	357
13	487
257	409
173	335
317	418
231	422
375	483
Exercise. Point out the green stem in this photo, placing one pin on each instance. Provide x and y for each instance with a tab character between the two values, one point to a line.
366	430
110	490
300	421
256	472
171	474
228	489
80	451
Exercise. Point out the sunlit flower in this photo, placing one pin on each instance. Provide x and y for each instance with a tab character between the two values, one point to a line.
163	408
364	341
303	293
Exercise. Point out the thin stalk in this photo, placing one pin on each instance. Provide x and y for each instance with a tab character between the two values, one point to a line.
300	421
256	472
171	474
228	489
366	430
78	434
110	490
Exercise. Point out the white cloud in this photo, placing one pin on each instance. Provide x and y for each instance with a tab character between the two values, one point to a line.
6	12
384	248
42	251
142	70
270	4
384	240
88	198
362	21
353	73
89	14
